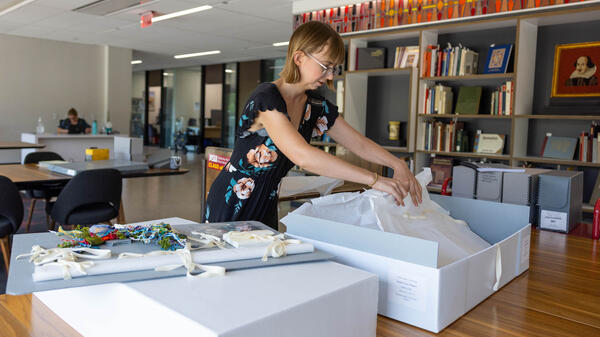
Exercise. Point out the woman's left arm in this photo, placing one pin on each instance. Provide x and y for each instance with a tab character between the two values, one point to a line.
348	137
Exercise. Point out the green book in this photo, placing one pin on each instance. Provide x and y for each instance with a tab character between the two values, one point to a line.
468	101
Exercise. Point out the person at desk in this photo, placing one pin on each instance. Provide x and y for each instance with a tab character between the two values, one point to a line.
274	132
73	124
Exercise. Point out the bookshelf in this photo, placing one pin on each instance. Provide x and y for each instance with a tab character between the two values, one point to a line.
372	96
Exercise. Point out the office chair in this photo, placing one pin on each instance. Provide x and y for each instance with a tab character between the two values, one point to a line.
91	197
45	191
11	215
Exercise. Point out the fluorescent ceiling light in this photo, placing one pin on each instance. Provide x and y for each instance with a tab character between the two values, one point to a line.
228	70
279	44
136	61
15	6
167	74
180	13
204	53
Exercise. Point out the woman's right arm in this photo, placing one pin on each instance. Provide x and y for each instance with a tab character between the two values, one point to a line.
291	143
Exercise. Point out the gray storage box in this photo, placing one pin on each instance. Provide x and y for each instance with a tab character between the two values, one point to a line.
521	188
464	181
560	195
489	186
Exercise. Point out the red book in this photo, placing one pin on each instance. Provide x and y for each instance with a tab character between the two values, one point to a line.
544	145
439	63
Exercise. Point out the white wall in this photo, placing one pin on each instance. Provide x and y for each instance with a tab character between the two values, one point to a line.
45	78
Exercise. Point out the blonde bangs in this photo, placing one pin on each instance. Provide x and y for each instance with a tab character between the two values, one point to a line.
312	37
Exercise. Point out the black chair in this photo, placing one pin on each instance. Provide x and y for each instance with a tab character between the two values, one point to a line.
45	191
11	215
91	197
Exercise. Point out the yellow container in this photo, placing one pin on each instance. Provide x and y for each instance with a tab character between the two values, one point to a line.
96	154
394	130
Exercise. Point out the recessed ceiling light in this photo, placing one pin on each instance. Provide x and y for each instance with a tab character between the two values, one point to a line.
279	44
180	13
136	61
204	53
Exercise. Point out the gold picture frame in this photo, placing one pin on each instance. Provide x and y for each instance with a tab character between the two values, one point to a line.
576	70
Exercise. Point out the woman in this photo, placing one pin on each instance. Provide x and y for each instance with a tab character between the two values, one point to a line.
275	130
73	124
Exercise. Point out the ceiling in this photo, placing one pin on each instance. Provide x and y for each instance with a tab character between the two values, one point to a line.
241	29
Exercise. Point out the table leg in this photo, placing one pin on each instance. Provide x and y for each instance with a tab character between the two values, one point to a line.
4	246
121	216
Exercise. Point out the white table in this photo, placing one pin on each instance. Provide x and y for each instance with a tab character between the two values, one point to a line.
307	299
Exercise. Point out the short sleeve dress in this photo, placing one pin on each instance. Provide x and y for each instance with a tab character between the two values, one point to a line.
246	188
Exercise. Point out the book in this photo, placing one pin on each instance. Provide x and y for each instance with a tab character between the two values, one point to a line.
441	168
370	58
560	148
548	135
491	143
595	192
497	59
468	100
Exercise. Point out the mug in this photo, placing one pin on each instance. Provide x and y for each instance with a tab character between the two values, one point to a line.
394	130
175	162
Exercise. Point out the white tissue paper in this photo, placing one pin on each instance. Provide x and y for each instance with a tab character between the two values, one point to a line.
378	210
304	184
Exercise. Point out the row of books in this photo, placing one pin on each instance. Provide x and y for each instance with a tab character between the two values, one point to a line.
446	137
502	99
438	100
388	13
585	148
406	57
451	61
588	148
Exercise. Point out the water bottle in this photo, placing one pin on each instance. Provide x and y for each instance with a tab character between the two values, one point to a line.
39	129
94	127
108	128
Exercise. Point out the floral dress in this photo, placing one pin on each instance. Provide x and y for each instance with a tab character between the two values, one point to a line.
246	188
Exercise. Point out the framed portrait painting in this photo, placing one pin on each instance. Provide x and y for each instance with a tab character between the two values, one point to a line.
576	70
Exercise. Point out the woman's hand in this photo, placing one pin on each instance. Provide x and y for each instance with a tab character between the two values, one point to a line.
393	187
409	183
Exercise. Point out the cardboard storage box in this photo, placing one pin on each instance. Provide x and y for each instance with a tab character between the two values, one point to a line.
412	289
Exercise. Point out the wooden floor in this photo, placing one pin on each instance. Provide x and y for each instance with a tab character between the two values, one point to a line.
558	296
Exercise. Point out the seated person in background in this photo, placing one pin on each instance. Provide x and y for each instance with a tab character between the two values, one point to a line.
73	124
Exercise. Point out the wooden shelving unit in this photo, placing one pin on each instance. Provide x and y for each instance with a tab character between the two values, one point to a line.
316	143
556	161
382	71
467	154
453	116
560	117
396	149
506	76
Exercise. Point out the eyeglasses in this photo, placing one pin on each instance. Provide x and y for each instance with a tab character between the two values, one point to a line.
326	70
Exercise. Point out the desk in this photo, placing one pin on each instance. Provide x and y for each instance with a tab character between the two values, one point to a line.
27	176
556	297
212	132
347	187
19	145
12	154
70	147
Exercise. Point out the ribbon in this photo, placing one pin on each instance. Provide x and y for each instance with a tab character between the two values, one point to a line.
498	269
186	258
278	247
66	258
208	240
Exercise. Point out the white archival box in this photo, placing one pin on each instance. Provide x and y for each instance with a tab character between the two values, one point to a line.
412	289
305	299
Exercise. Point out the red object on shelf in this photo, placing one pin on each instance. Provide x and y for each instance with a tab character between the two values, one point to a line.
445	186
596	222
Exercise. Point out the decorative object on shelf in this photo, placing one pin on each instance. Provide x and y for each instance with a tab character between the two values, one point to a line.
441	169
560	147
468	101
491	143
370	58
394	130
498	59
576	70
410	58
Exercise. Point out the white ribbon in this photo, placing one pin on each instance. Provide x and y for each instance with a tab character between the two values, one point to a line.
66	258
186	258
498	269
255	235
279	247
208	240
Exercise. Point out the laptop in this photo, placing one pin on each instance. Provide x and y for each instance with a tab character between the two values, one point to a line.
123	166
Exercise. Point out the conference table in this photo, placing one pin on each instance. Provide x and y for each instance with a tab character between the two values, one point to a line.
28	176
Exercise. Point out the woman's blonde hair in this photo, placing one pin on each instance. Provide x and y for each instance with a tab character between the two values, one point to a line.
312	37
